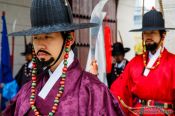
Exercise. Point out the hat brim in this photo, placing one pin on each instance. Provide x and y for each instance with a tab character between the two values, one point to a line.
25	53
126	50
53	28
150	29
114	53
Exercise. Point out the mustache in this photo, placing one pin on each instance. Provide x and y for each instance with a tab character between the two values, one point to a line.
43	51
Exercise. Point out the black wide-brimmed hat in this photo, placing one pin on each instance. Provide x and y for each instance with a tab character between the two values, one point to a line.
49	16
152	20
28	49
118	49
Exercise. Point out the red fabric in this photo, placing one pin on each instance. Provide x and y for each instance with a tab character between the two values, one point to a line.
159	85
108	49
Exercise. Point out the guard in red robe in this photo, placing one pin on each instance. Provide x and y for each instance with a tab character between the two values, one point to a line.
147	85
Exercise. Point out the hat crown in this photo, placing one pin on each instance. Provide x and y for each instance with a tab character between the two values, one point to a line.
118	47
153	18
28	49
50	12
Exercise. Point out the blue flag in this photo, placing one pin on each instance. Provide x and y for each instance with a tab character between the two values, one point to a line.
5	66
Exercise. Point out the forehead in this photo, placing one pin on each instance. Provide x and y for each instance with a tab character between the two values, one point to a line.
155	31
54	34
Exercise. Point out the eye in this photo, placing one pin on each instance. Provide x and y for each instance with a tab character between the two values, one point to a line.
34	38
46	37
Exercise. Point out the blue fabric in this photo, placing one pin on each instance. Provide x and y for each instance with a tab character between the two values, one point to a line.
10	89
5	66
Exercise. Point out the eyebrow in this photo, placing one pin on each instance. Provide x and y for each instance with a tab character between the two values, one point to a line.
47	35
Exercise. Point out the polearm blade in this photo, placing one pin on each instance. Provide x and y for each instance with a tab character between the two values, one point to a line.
96	17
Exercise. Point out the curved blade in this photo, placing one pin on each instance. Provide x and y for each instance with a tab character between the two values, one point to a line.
97	16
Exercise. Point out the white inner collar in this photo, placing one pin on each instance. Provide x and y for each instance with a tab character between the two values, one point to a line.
55	76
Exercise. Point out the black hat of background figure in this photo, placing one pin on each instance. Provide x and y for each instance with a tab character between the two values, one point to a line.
118	49
49	16
28	49
152	20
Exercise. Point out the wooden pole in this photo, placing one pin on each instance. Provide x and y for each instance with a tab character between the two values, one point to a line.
161	7
143	7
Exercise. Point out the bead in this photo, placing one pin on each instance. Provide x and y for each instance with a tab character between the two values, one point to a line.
33	71
56	101
53	111
62	85
33	84
33	77
60	92
68	43
54	107
62	82
34	65
32	102
50	114
65	62
32	96
61	89
66	49
58	95
66	56
33	90
36	113
56	98
55	104
63	75
69	37
65	69
33	107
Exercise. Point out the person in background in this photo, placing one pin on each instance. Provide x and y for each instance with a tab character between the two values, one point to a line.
119	63
25	73
62	88
147	85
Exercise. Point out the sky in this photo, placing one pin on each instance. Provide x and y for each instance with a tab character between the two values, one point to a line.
148	3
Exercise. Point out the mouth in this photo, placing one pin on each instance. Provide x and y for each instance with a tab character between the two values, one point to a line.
42	54
149	40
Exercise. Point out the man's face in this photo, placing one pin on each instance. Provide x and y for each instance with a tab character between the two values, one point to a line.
47	46
152	39
28	57
119	58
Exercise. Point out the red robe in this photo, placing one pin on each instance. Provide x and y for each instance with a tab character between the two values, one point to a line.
159	85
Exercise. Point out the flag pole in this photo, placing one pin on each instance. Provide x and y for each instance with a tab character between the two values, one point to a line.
143	9
13	50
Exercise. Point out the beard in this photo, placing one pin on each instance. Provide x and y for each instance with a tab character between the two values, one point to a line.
42	62
151	47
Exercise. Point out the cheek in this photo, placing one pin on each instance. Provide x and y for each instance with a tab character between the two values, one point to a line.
55	50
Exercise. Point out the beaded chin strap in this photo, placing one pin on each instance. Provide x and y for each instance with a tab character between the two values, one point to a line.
62	82
144	57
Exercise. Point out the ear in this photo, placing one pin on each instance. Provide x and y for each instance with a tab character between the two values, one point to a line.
73	38
163	35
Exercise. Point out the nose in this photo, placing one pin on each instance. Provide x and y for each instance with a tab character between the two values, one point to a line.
39	44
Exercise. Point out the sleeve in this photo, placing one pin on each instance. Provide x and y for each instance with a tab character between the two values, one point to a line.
10	109
19	75
121	88
111	106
